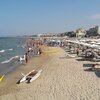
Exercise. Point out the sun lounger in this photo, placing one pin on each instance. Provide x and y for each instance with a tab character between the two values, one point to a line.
96	67
71	56
96	59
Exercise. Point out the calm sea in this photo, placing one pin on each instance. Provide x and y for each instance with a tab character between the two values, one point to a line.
11	48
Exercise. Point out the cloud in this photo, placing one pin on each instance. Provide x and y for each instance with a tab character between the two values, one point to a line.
96	16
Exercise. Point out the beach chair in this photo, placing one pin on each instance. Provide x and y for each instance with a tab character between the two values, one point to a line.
96	57
71	56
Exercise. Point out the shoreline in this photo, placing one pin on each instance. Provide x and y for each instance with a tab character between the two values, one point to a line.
61	79
36	63
10	54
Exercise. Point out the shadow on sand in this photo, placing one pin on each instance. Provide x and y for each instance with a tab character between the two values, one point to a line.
72	53
65	57
97	72
90	68
87	65
80	59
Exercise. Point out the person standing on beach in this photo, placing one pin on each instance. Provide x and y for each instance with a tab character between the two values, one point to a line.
39	51
77	51
26	58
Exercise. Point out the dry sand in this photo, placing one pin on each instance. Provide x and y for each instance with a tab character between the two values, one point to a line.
61	79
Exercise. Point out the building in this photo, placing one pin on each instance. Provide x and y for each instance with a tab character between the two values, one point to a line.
93	31
80	32
71	34
97	28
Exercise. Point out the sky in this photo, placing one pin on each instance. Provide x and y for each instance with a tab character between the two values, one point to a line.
26	17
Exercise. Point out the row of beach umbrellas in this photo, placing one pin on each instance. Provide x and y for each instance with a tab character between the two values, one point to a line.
91	44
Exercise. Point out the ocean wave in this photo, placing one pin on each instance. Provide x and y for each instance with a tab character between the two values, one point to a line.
10	49
21	46
1	51
7	61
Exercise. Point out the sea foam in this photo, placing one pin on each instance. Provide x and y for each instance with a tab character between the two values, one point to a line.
1	51
7	61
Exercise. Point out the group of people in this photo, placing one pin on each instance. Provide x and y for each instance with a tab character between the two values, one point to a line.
32	48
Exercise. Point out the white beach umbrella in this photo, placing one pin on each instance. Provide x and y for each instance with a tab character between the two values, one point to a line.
98	43
86	44
92	42
93	46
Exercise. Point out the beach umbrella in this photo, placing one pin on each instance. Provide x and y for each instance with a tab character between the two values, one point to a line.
86	44
93	46
98	43
92	42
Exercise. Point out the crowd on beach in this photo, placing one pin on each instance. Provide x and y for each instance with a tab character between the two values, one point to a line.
33	47
76	47
85	52
87	49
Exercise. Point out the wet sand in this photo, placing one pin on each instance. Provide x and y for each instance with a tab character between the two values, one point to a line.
61	79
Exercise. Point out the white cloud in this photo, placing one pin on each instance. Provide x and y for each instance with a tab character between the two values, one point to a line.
96	16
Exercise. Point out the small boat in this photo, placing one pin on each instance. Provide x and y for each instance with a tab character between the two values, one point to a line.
31	76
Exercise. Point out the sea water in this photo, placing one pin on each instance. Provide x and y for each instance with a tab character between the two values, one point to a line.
11	48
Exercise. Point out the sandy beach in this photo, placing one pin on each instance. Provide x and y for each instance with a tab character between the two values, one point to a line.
61	79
